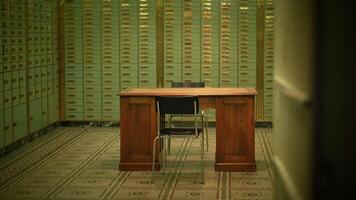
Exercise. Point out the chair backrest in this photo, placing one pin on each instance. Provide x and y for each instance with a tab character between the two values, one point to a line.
187	84
177	104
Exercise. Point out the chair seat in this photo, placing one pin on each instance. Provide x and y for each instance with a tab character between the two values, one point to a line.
180	131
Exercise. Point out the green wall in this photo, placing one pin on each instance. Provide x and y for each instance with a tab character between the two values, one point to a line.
28	68
268	67
111	46
293	102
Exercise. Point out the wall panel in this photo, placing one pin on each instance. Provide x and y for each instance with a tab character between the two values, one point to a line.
92	58
128	44
172	16
73	49
247	47
268	60
110	76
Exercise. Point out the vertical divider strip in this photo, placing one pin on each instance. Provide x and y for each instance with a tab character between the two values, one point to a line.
159	44
260	60
61	70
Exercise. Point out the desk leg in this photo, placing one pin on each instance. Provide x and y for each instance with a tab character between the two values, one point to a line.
137	131
235	134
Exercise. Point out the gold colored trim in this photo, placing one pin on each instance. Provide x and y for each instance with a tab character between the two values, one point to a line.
61	67
159	44
260	61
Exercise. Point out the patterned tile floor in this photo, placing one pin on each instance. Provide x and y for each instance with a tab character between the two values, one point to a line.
82	163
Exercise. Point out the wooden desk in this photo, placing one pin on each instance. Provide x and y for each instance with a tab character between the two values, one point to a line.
235	130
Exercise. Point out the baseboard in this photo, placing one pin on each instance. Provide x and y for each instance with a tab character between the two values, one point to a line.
89	123
258	124
32	136
263	124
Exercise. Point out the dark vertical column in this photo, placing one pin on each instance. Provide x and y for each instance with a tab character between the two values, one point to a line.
61	61
335	135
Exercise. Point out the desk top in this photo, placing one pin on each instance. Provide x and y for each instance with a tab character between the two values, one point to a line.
188	91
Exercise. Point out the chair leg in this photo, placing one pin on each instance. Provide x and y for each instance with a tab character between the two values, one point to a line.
169	146
164	159
154	158
207	137
205	127
169	139
202	159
